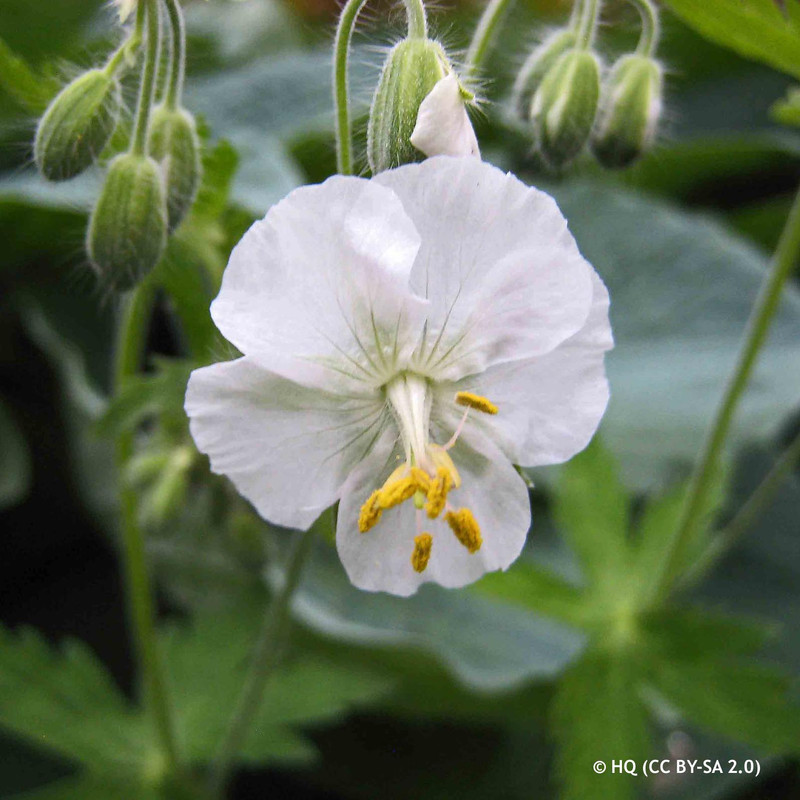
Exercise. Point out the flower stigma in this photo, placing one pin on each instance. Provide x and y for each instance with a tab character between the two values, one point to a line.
428	473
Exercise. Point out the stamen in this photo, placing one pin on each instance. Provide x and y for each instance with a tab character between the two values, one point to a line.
471	400
370	513
422	551
465	528
421	479
392	493
437	493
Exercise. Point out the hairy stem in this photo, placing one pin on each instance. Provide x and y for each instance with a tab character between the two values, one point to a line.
484	35
265	657
130	349
177	68
651	27
587	26
764	309
148	82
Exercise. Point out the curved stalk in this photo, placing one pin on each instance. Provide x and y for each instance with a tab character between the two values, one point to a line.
588	23
484	34
764	309
264	660
130	348
148	82
177	68
651	27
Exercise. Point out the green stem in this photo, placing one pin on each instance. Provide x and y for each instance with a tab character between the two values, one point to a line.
651	27
148	83
265	658
417	21
746	516
484	34
177	68
588	23
130	349
758	326
126	52
341	52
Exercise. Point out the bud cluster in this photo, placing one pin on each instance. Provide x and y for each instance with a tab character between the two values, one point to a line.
148	190
563	91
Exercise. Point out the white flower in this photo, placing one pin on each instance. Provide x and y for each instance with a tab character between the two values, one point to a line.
443	127
372	314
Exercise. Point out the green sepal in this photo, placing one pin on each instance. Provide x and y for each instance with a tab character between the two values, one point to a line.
77	125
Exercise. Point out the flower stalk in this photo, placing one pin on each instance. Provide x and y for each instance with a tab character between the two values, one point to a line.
132	337
148	84
758	326
177	68
265	658
651	28
488	25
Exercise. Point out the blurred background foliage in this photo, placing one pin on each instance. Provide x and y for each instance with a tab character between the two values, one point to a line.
510	689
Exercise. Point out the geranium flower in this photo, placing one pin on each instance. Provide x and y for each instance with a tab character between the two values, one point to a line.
406	340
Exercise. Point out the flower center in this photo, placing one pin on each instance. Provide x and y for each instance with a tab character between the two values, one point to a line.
428	474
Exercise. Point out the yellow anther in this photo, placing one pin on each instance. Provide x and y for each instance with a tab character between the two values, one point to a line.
370	513
441	458
422	551
466	529
475	401
437	493
421	479
392	493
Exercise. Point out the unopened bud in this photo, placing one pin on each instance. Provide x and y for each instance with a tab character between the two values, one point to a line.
565	104
413	67
77	125
128	227
536	67
174	144
630	111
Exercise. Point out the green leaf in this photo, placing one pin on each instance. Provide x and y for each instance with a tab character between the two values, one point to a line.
756	29
787	111
682	287
597	715
530	585
214	652
591	508
748	703
487	645
19	80
15	459
65	702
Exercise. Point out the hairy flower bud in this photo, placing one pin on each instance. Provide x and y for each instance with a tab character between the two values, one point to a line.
413	67
174	144
536	67
77	125
629	112
128	228
565	104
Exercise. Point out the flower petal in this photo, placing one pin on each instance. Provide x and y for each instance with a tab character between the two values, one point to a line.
288	449
550	406
380	559
443	127
503	275
318	290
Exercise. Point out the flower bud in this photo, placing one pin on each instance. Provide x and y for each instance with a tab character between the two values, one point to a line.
413	67
536	67
128	227
565	104
174	144
77	125
630	111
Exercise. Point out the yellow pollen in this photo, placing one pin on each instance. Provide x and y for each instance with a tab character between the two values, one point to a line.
392	493
370	513
437	493
422	551
466	529
421	479
475	401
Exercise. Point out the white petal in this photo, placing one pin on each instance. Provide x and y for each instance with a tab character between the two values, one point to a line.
443	127
551	406
503	274
318	290
288	449
380	559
